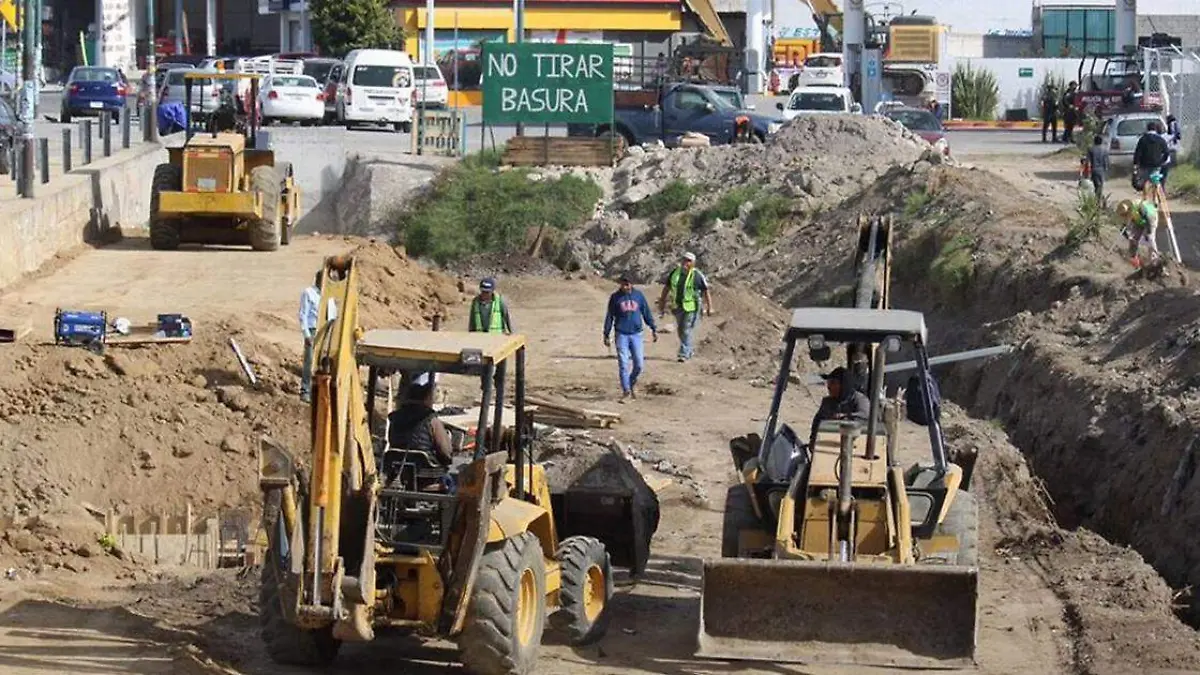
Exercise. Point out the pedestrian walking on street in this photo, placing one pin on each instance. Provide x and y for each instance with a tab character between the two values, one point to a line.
628	310
1096	161
310	303
489	313
685	286
1050	114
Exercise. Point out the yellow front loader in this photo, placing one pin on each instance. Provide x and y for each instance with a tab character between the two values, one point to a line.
365	537
220	187
831	551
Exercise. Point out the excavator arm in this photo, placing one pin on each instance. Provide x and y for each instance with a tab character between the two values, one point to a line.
828	14
329	515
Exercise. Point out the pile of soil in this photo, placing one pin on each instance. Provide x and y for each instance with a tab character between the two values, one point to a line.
149	429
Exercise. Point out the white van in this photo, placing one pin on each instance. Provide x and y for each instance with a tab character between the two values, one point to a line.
376	87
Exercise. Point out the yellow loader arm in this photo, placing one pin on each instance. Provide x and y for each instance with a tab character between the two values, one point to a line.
332	563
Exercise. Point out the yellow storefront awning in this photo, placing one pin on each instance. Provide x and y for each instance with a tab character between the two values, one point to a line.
559	18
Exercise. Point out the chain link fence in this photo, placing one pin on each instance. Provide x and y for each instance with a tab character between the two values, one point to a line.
1174	74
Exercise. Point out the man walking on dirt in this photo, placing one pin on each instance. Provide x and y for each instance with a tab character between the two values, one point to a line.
310	303
628	309
685	286
1152	153
1069	113
489	313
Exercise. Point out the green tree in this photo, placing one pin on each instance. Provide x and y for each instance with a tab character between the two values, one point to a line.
341	25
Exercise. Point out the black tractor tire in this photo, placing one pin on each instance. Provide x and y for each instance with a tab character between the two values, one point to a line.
962	521
164	232
739	515
267	233
499	637
585	565
286	643
285	228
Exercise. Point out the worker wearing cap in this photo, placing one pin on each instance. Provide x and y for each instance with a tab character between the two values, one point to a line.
842	402
489	313
1141	222
685	286
628	310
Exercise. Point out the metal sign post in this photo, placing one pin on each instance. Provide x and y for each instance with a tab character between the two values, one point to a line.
28	100
150	108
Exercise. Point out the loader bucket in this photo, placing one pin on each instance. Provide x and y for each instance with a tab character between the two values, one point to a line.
868	614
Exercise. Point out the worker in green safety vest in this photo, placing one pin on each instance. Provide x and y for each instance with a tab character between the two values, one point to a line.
489	313
685	286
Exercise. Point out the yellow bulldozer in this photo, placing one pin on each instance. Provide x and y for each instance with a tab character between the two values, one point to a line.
365	537
834	551
220	187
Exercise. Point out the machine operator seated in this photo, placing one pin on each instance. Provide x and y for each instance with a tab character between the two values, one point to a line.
844	401
415	426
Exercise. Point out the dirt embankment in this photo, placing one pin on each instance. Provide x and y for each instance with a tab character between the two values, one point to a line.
148	429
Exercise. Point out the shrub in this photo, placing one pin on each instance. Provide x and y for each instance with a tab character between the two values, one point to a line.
474	208
1091	218
728	204
1183	181
974	93
767	218
954	265
914	202
674	197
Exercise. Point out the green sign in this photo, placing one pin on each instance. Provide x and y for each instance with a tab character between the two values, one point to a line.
1025	72
547	83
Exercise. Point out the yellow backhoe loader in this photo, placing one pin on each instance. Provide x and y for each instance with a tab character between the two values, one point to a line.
366	537
831	551
220	188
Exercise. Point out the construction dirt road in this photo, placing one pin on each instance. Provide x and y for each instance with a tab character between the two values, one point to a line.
154	428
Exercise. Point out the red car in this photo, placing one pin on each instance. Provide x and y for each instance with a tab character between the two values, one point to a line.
924	124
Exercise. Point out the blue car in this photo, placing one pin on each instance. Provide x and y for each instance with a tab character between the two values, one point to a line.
91	90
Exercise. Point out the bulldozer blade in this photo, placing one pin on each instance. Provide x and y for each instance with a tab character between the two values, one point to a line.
867	614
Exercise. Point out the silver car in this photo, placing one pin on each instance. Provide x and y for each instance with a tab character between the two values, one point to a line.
1121	134
206	95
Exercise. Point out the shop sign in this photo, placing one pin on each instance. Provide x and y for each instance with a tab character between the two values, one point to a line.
543	83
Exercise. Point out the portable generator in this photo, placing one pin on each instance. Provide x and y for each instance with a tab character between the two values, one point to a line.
174	326
80	329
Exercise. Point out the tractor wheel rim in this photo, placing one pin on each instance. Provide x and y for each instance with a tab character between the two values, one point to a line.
593	593
527	600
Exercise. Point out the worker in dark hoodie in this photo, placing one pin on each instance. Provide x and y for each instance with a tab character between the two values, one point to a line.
628	310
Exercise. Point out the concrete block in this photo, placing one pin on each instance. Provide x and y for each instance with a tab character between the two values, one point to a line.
318	157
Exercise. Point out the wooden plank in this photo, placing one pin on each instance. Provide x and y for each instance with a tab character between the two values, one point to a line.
143	334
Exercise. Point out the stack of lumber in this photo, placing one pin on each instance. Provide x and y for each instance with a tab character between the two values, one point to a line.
558	151
143	334
568	416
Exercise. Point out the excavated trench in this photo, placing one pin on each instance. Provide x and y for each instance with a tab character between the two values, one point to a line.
1117	453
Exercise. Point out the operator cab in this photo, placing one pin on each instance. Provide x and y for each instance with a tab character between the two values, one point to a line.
783	460
417	499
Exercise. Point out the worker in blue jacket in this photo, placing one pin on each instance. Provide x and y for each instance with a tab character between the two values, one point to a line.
627	311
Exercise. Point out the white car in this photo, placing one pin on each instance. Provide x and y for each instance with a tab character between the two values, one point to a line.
430	87
819	101
821	70
1121	134
291	98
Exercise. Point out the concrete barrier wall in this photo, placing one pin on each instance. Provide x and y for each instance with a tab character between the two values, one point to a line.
318	158
77	208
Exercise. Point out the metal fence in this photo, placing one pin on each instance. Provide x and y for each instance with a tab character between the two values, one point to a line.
1174	74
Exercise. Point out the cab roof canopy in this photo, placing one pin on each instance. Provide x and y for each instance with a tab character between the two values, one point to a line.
436	351
838	324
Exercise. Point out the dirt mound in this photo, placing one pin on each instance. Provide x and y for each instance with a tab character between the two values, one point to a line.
396	292
151	428
1119	612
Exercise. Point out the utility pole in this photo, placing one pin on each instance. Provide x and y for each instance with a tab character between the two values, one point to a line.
150	126
28	99
520	19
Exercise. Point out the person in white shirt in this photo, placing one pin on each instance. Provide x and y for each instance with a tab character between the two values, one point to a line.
310	301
